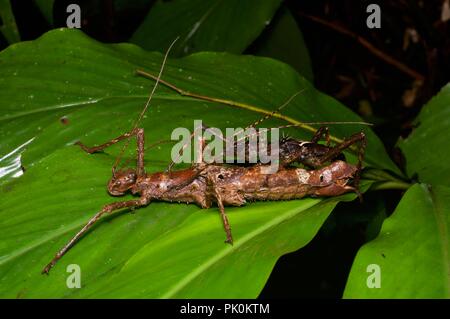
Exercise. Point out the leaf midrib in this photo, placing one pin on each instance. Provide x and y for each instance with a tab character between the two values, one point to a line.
238	243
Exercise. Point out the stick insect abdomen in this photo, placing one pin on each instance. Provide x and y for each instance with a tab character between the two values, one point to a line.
236	185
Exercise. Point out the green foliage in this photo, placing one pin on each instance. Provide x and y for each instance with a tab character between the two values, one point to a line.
163	250
65	87
214	25
427	148
91	79
412	250
82	89
9	27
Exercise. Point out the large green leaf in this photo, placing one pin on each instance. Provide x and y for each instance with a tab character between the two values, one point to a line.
163	250
427	148
214	25
95	87
65	87
412	250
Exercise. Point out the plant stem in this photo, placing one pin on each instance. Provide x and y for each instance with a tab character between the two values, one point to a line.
234	103
390	185
384	180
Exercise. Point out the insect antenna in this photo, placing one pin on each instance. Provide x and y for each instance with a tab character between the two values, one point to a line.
304	125
259	131
301	124
144	110
277	110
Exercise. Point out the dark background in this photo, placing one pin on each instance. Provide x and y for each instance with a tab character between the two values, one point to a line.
412	33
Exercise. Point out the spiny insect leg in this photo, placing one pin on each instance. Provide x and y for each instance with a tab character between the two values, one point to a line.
320	133
106	209
101	147
203	128
138	132
225	221
223	215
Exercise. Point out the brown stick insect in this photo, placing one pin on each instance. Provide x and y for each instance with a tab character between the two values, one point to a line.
228	185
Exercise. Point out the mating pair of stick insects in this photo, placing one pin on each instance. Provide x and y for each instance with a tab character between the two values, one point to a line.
327	174
233	185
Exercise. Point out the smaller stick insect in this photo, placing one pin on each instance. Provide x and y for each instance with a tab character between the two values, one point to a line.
291	150
208	184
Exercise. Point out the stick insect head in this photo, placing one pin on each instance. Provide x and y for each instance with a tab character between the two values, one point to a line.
121	181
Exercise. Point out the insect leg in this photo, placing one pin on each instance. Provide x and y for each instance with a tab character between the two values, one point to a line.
203	129
339	148
139	132
223	215
99	148
225	222
140	171
320	133
106	209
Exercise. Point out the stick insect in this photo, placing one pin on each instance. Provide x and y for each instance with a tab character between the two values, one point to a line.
209	184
